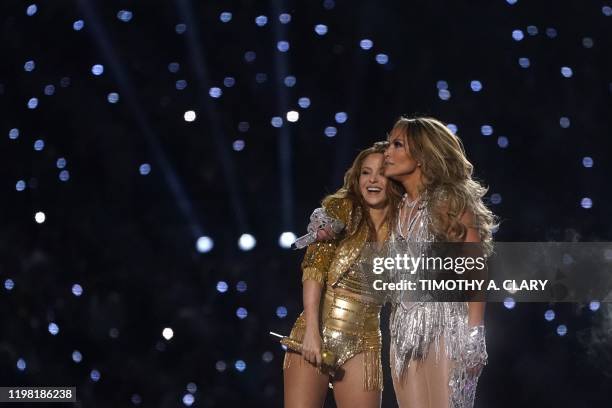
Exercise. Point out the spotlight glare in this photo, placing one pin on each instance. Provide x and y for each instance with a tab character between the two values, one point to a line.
113	97
144	169
286	239
587	162
284	18
549	315
366	44
180	28
225	17
586	203
277	121
293	116
97	69
562	330
204	244
40	217
167	333
78	25
261	20
304	102
330	131
124	15
189	116
246	242
341	117
215	92
382	59
509	303
320	29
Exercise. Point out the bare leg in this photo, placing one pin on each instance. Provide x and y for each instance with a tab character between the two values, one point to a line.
305	387
349	392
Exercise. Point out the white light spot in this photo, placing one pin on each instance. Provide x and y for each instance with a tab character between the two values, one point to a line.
286	239
586	203
277	121
517	35
476	86
341	117
40	217
204	244
321	29
222	286
215	92
509	303
78	25
549	315
587	162
304	102
97	69
330	131
293	116
225	17
144	169
562	330
238	145
261	20
167	333
77	357
366	44
113	97
246	242
524	62
190	116
53	329
382	59
77	290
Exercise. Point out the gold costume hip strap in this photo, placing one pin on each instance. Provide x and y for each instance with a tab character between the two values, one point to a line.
350	315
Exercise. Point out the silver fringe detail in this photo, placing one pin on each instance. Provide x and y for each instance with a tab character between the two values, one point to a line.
417	324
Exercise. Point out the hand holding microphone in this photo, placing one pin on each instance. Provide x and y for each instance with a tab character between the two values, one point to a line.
321	227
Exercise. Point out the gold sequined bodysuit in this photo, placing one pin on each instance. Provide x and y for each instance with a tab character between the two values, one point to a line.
350	307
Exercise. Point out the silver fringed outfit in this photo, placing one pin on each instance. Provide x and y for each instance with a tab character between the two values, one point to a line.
423	330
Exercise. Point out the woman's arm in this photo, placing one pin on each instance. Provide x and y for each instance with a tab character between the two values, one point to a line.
476	310
311	344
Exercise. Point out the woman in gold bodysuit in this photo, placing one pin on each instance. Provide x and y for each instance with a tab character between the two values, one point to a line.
341	309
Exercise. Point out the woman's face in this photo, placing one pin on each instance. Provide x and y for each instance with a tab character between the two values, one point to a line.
398	159
372	182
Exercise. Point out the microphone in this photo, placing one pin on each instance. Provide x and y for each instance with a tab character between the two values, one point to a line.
336	226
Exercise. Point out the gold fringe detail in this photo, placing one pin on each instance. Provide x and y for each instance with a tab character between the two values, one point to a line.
297	333
310	273
372	370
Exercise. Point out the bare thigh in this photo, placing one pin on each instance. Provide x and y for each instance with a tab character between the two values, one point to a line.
305	387
349	392
424	384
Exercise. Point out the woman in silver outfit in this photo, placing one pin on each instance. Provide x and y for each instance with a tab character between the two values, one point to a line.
437	348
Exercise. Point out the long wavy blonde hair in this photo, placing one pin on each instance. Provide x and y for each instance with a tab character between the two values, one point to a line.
448	185
350	190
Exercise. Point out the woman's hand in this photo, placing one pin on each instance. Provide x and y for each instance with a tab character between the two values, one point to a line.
311	346
325	234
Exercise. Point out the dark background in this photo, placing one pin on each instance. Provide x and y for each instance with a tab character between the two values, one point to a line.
130	239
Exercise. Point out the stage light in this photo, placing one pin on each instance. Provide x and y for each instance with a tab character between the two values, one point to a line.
39	145
192	388
587	42
304	102
95	375
444	94
532	30
511	2
607	11
180	84
60	163
77	290
221	366
282	46
476	86
281	312
222	286
228	82
180	28
549	315
29	66
260	77
204	244
341	117
442	85
189	116
13	133
509	303
243	126
329	4
65	82
77	357
524	62
551	32
21	364
293	116
567	72
267	356
277	121
49	90
242	313
517	35
215	92
144	169
321	29
246	242
290	81
587	162
241	286
53	329
594	305
174	67
31	10
503	142
188	399
33	103
113	97
9	284
261	20
113	333
586	203
382	59
250	56
20	186
452	127
124	15
136	399
240	365
330	131
167	333
286	239
97	69
562	330
225	17
78	25
564	122
366	44
39	217
284	18
238	145
486	130
496	198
